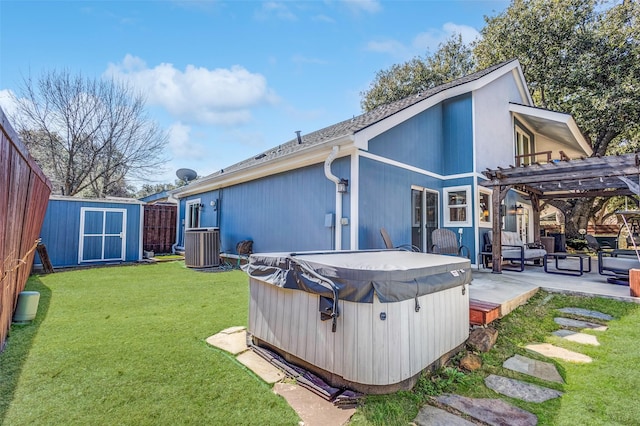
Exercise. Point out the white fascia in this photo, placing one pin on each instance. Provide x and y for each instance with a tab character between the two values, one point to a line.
363	137
558	117
315	154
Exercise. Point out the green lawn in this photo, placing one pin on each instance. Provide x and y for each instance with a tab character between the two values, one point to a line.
603	392
126	345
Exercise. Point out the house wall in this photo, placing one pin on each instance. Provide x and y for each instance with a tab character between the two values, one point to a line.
282	212
438	142
61	230
494	131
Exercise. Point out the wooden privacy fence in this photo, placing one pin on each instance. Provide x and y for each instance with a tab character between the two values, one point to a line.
24	194
159	227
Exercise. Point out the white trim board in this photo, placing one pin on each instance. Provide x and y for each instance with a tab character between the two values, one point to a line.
385	160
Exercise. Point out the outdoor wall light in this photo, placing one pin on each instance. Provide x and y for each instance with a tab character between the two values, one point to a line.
519	210
485	213
342	186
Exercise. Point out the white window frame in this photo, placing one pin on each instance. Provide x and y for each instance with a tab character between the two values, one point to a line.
187	213
489	222
467	206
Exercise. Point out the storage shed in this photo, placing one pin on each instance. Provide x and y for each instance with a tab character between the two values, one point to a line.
367	320
79	231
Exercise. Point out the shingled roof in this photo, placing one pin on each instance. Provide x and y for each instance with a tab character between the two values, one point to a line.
353	125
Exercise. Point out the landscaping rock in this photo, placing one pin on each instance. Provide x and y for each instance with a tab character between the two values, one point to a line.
492	411
521	390
482	339
471	362
572	336
540	369
586	313
567	322
552	351
432	416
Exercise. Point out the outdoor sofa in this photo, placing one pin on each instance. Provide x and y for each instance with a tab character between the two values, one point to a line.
515	251
617	263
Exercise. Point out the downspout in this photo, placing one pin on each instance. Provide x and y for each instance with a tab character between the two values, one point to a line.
333	178
177	200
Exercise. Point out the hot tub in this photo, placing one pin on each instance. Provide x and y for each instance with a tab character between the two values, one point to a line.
397	313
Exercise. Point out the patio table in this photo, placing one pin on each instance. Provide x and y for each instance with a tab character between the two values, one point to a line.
580	257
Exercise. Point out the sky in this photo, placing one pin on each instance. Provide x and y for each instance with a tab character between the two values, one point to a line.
229	79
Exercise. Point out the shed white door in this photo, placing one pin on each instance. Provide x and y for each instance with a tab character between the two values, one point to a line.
102	234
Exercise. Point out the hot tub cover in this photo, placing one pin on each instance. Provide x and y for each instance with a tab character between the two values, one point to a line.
394	275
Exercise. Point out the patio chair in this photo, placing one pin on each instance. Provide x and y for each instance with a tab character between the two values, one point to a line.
445	242
594	245
388	244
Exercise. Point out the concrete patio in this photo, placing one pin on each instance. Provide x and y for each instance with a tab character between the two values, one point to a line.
511	289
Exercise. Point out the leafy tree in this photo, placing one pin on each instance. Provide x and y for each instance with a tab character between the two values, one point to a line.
452	60
88	135
577	59
150	189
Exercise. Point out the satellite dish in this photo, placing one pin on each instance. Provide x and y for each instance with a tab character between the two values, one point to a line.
186	174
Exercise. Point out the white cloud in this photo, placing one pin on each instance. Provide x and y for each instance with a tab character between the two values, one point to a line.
7	102
181	145
392	47
278	10
369	6
429	40
222	96
424	42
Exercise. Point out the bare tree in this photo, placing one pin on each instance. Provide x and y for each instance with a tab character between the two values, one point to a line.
88	134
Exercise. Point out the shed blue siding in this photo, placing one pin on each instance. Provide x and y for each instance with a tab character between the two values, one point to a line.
417	141
458	135
282	212
61	230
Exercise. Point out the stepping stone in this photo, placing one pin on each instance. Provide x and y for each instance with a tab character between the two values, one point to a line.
572	336
495	412
521	390
233	343
587	313
265	370
311	408
552	351
567	322
540	369
432	416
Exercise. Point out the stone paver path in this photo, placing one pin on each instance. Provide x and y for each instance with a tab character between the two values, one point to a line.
572	336
433	416
313	410
586	313
567	322
520	390
495	412
232	340
552	351
532	367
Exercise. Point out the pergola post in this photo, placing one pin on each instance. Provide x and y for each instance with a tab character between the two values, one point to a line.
496	229
535	205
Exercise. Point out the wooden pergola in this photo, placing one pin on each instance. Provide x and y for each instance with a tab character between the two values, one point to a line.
606	176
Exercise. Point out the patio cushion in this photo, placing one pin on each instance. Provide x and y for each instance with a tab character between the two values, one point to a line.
619	264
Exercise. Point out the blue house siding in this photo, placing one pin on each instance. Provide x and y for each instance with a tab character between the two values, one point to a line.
385	202
417	141
282	212
458	135
61	230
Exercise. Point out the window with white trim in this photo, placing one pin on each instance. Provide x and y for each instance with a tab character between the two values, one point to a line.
193	210
484	208
457	206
